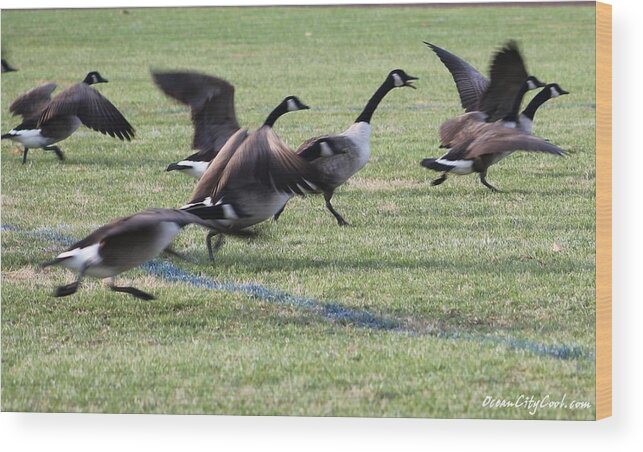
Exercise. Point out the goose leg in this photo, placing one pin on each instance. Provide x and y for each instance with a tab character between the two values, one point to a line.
483	179
24	155
329	206
132	291
66	290
56	150
440	179
176	254
217	245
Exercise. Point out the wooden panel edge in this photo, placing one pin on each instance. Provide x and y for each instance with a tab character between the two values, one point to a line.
603	210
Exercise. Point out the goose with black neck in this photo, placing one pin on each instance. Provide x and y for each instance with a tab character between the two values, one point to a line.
255	175
336	158
47	121
465	157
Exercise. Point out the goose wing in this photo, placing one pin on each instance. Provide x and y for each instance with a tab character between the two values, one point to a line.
211	101
32	102
471	84
126	229
507	73
323	146
454	130
207	185
92	108
270	163
502	139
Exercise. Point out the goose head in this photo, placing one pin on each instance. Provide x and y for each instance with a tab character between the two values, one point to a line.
94	77
555	90
533	83
292	103
398	78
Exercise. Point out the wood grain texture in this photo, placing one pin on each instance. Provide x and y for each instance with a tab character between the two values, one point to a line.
603	210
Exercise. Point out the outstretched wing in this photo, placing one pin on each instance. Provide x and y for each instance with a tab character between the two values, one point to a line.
211	101
207	185
265	158
92	108
502	139
471	84
508	73
451	131
33	102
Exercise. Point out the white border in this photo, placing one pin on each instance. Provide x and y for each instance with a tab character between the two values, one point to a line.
624	431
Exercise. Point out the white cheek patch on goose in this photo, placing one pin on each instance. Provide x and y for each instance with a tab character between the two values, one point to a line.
292	106
397	80
554	92
531	84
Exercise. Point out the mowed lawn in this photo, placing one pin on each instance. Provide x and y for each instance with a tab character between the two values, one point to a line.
481	288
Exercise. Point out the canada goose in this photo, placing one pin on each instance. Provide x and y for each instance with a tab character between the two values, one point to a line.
47	121
6	67
463	133
211	101
124	244
255	174
337	157
498	98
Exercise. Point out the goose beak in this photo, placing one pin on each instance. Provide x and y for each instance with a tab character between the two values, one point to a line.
562	91
409	80
305	107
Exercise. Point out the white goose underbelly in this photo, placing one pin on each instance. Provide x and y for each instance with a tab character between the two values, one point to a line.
30	138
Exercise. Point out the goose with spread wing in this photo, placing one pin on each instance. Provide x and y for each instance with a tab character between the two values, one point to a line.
490	105
211	102
254	174
47	121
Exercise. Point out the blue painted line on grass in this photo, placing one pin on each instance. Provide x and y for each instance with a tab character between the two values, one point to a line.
335	312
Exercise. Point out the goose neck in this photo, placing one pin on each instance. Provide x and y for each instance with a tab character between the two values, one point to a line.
374	101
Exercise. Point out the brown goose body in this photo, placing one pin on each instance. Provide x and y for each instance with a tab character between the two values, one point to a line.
123	244
255	174
47	121
475	145
336	158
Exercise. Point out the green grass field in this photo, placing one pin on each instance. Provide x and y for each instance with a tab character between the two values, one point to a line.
477	282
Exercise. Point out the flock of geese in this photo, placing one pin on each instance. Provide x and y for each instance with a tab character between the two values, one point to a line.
245	178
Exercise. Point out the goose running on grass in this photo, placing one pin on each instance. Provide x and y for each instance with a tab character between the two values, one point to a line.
255	174
47	121
506	89
336	158
126	243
